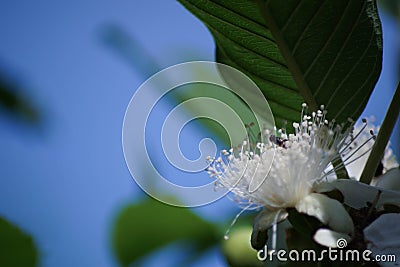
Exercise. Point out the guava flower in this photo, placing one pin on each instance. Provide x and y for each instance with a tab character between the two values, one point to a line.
357	195
282	173
382	238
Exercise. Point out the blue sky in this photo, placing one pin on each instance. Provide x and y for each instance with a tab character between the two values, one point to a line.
65	181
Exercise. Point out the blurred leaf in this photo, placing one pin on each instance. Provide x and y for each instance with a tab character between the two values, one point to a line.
149	225
17	249
320	52
237	249
130	49
136	54
392	7
217	111
15	104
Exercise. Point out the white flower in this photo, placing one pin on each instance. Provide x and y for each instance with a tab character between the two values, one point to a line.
382	237
390	180
281	173
359	195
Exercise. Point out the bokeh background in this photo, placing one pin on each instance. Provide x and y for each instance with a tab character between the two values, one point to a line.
68	70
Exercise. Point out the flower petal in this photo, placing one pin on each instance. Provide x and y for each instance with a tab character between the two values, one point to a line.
382	236
329	211
267	218
357	194
390	180
384	232
329	238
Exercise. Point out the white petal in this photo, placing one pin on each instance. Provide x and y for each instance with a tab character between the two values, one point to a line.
384	232
357	194
329	238
323	187
390	180
382	236
268	217
329	211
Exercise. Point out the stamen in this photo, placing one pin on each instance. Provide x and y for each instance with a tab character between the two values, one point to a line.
300	160
275	231
353	138
359	156
344	163
251	136
226	236
358	148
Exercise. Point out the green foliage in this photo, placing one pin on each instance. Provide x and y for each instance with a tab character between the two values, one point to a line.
197	90
382	139
136	54
17	249
391	6
237	249
304	224
299	242
146	226
130	49
14	103
320	52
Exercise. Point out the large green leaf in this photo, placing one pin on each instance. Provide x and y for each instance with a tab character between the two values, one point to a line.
321	52
144	227
17	249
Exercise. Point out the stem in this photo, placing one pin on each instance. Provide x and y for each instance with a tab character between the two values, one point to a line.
341	172
382	139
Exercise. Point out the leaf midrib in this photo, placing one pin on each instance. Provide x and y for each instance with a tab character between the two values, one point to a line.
283	104
303	87
276	62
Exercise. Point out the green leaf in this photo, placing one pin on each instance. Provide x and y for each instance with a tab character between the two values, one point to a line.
17	249
299	242
237	249
321	52
144	227
303	223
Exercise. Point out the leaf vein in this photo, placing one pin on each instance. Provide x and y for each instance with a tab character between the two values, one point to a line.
352	69
289	19
357	91
298	41
341	50
261	78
